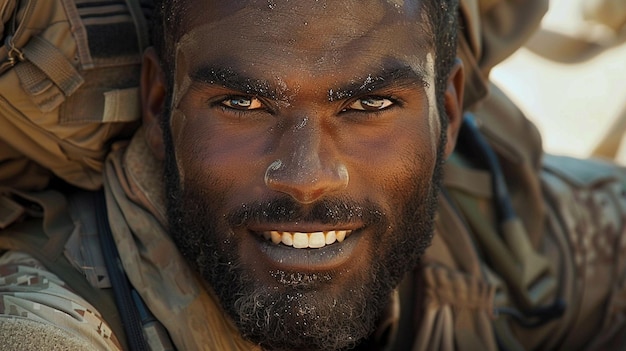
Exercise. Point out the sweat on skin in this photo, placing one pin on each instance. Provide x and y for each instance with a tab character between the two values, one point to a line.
304	159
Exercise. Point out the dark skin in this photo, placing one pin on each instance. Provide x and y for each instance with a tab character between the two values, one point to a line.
309	102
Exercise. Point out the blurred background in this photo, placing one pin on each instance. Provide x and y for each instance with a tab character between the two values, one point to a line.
570	78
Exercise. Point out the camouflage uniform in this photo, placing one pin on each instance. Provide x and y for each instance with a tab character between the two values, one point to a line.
484	284
36	304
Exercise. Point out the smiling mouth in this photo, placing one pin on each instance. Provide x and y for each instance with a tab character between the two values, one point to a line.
311	240
310	250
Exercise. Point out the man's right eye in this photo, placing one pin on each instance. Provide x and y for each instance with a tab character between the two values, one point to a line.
244	103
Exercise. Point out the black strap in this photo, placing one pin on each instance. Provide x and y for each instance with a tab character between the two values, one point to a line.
122	288
475	143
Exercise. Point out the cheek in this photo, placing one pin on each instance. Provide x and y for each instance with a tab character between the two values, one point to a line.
413	162
211	157
388	165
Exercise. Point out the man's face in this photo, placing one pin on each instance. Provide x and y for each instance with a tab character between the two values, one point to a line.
303	161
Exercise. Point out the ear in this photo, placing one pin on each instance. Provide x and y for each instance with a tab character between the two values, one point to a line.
152	101
453	103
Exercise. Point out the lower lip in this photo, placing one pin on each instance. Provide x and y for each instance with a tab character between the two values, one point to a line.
309	260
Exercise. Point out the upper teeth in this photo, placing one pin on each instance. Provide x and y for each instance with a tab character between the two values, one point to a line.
313	240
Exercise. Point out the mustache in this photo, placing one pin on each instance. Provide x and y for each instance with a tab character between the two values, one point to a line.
331	211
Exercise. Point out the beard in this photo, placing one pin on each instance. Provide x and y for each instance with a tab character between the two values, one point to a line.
301	311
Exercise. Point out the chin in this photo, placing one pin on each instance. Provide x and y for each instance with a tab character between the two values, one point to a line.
315	316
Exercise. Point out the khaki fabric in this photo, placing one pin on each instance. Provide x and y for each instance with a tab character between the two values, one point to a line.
69	72
457	303
41	272
491	30
583	246
592	222
571	220
154	266
518	144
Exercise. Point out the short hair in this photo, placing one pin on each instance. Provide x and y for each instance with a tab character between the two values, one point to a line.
442	17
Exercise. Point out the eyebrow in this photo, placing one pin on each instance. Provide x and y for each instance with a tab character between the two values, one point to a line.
231	79
386	77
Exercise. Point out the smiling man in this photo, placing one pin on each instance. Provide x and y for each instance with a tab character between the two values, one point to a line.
306	178
303	147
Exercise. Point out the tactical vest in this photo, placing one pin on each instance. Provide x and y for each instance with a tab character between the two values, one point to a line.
69	73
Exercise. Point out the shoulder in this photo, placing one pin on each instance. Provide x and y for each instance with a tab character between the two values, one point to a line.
52	225
585	203
583	173
40	311
589	192
48	255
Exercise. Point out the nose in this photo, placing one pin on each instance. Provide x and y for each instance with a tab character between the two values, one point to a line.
308	166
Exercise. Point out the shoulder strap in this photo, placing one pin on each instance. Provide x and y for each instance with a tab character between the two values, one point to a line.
119	281
138	321
504	239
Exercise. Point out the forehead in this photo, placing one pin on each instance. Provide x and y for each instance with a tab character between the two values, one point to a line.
292	13
317	37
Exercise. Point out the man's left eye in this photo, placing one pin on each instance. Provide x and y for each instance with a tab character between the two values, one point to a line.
242	103
370	103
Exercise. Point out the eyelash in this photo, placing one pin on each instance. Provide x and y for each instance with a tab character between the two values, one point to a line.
240	113
395	102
